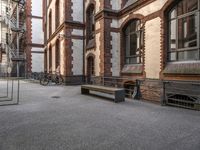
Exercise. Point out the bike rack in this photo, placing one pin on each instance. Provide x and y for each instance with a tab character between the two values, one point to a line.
9	91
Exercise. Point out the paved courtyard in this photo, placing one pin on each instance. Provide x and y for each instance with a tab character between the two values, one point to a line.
76	122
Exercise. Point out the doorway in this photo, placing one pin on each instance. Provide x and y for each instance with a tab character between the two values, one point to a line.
90	68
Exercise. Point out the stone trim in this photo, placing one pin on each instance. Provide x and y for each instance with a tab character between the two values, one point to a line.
182	69
182	77
36	17
117	30
68	24
79	37
135	6
35	45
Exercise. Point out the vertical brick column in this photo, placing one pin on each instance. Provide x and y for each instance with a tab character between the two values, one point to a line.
68	52
68	9
28	36
68	41
105	41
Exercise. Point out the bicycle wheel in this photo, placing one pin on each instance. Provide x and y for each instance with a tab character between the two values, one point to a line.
44	81
59	80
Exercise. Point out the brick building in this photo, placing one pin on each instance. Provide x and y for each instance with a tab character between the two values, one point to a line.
150	40
34	37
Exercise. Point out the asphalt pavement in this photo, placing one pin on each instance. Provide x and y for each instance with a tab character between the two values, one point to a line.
60	118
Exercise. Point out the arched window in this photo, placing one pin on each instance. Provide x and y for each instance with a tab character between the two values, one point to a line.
90	23
50	59
57	53
50	23
183	29
57	14
133	42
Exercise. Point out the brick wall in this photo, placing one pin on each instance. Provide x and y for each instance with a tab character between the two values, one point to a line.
28	36
151	90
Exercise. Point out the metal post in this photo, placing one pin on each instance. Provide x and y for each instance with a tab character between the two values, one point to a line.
12	90
18	88
163	100
7	87
17	25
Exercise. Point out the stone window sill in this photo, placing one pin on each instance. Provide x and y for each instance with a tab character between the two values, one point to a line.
189	68
132	69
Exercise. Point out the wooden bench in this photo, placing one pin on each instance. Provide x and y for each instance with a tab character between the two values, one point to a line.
119	94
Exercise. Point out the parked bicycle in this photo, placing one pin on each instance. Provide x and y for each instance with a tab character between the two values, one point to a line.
34	75
49	77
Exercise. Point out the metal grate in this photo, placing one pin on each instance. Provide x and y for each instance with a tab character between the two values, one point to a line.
55	97
181	100
182	94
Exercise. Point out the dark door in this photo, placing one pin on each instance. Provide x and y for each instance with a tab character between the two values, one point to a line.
90	68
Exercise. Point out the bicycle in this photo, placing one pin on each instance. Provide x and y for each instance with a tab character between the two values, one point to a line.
49	77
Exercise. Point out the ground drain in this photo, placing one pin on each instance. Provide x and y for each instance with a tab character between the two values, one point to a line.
55	97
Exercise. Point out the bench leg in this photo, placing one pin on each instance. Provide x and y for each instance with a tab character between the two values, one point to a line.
119	96
84	91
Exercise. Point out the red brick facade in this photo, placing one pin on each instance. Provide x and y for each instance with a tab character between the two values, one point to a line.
31	45
110	20
28	35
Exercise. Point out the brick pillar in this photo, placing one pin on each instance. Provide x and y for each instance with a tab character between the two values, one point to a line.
68	52
28	37
105	38
68	41
68	10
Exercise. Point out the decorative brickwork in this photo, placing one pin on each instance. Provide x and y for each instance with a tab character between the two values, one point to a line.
28	36
68	55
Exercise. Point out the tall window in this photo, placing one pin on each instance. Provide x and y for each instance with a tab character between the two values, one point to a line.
184	31
57	15
133	42
50	59
57	53
90	22
50	24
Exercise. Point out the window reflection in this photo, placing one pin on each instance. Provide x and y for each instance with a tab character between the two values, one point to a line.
183	31
133	41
